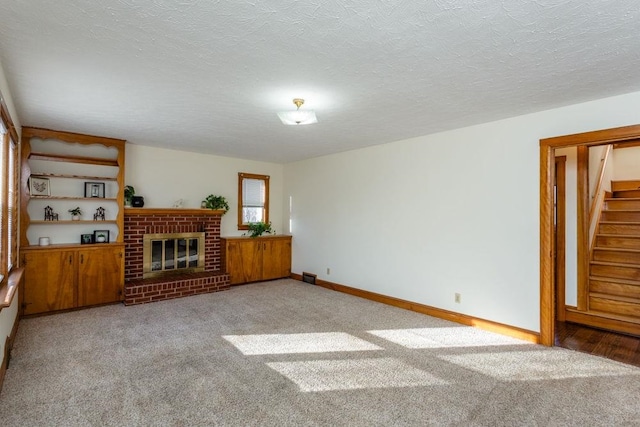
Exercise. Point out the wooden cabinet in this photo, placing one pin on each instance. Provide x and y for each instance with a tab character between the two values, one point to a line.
49	278
249	259
63	278
100	275
59	172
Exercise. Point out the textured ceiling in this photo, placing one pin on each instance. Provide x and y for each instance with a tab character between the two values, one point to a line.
209	76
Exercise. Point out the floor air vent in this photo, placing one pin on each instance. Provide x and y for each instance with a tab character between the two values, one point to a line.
309	278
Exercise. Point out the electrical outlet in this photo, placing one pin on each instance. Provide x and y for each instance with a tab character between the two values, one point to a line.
456	298
328	271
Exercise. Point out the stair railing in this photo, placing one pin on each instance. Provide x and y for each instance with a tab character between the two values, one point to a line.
598	196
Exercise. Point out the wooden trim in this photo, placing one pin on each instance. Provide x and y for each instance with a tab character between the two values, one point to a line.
5	362
6	118
171	211
583	226
8	346
263	237
98	246
547	284
8	291
463	319
73	159
596	321
547	148
599	183
561	235
627	145
598	137
265	178
4	207
33	132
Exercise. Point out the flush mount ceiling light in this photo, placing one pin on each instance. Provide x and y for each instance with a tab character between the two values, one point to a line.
298	117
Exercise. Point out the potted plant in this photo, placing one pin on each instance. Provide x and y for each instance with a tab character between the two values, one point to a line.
101	238
215	202
75	213
259	228
129	192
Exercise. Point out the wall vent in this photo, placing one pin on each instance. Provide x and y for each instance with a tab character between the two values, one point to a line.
309	278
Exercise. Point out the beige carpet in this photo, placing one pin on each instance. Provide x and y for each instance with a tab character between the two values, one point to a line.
286	353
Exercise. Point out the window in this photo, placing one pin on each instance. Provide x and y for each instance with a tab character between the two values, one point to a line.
253	199
8	193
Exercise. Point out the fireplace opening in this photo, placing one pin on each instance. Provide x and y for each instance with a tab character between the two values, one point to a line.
172	253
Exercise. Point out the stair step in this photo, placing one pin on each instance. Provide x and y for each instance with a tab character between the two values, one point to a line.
619	227
626	193
612	286
620	204
632	184
616	270
623	306
624	241
627	215
620	255
614	316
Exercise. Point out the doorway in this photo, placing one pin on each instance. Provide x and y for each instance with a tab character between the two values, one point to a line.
548	304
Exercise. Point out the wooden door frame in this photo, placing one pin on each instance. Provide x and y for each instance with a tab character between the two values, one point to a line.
547	165
560	235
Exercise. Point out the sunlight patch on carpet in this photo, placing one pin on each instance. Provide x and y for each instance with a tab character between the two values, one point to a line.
540	365
323	342
326	375
445	337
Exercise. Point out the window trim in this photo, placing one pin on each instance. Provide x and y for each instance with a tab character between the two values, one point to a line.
9	139
241	177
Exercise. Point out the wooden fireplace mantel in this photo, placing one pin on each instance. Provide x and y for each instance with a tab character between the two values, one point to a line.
171	211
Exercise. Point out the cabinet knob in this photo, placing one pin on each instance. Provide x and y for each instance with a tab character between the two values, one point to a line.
81	258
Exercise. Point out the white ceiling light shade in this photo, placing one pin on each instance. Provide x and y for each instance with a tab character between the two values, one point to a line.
298	117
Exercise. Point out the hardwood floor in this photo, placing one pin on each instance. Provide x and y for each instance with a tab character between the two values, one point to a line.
619	347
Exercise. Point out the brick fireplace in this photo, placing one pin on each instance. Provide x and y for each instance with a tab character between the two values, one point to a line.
141	221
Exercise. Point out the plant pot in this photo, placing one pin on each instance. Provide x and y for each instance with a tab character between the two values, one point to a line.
75	217
137	201
101	239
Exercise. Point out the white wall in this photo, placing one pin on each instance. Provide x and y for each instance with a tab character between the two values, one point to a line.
8	316
627	161
163	176
571	225
457	211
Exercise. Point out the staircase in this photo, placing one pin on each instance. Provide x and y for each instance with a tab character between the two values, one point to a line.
614	270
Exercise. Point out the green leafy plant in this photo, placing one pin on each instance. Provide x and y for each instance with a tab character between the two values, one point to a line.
129	192
75	211
216	202
259	228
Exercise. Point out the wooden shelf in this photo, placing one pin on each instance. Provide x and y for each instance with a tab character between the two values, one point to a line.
108	199
73	159
70	246
90	221
57	175
171	211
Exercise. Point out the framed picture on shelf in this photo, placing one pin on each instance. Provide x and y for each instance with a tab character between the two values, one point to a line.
94	189
101	236
39	186
86	239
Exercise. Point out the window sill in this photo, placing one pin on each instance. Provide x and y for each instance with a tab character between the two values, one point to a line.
9	287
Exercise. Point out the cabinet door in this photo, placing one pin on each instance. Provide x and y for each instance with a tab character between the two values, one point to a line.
100	275
49	281
244	261
276	258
